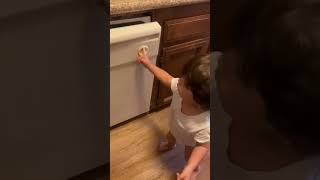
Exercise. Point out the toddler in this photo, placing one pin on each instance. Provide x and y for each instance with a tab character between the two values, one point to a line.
190	115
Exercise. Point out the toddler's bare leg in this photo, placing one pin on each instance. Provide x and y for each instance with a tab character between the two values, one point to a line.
169	144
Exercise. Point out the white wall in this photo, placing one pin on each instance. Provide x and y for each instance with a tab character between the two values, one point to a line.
51	90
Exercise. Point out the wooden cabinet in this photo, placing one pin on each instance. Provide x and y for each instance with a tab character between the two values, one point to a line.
186	28
185	35
173	60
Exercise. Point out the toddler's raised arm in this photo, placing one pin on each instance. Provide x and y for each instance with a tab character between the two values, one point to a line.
164	77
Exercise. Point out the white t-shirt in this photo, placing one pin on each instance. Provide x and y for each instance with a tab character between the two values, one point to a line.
187	129
224	169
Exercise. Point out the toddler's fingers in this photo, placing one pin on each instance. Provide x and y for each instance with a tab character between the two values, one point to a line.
140	57
143	53
178	176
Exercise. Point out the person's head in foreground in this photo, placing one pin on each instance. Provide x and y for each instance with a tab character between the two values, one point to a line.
269	82
195	83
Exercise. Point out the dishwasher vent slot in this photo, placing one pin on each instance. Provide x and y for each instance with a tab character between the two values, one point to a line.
129	22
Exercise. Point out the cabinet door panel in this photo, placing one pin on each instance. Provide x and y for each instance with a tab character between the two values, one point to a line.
173	60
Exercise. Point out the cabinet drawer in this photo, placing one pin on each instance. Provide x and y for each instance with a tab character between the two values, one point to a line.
186	28
200	47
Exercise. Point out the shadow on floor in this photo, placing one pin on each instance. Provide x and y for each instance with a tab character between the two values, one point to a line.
174	159
154	126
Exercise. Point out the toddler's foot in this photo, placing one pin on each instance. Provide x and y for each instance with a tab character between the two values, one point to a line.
165	146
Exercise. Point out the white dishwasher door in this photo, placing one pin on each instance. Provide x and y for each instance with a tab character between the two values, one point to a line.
131	83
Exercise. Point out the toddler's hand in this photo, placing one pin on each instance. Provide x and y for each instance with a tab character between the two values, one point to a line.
188	173
143	57
185	175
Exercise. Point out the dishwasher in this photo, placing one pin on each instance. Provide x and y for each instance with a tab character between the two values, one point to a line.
131	83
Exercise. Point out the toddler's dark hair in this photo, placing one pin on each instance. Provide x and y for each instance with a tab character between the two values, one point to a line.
197	78
279	46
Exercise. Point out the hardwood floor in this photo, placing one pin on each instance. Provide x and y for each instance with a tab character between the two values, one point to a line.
134	155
